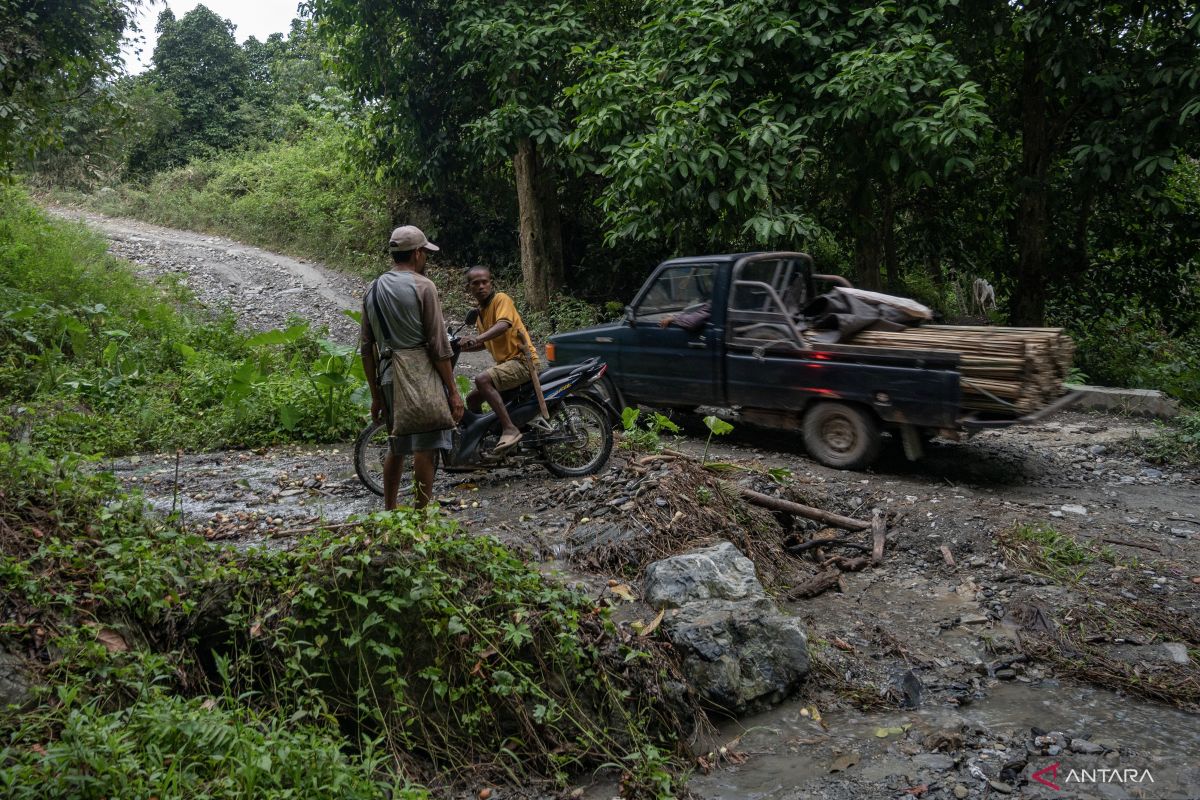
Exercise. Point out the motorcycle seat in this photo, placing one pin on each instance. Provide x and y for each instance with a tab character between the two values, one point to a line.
545	376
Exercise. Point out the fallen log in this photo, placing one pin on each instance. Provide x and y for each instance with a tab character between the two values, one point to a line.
829	518
815	585
809	545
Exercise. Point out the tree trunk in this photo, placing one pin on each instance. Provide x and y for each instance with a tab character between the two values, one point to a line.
540	225
1029	291
868	238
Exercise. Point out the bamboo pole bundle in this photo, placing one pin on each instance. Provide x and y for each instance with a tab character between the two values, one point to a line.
1006	370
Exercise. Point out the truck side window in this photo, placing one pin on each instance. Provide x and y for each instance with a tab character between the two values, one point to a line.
676	289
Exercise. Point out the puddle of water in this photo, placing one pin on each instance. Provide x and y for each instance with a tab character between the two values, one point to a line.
791	754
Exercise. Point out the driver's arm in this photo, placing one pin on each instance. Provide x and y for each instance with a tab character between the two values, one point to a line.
476	342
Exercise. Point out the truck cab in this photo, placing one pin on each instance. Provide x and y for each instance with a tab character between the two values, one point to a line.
750	360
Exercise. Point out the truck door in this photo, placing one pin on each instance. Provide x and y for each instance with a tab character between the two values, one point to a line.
667	364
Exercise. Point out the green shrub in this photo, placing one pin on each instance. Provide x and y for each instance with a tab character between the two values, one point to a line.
178	749
449	645
435	649
301	197
98	361
1177	443
1133	347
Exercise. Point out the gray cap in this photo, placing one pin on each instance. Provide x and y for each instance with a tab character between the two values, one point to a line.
410	237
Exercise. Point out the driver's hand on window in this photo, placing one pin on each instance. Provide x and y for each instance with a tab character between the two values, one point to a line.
665	321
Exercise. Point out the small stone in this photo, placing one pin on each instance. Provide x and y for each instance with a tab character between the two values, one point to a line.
1152	474
1071	508
937	762
1177	653
1006	674
961	791
1085	747
1053	750
1097	449
1000	786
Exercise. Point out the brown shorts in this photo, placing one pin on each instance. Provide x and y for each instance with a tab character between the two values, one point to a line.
509	374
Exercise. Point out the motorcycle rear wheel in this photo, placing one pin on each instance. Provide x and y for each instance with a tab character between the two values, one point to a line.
589	440
369	451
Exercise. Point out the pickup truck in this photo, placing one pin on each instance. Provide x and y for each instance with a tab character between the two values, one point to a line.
751	362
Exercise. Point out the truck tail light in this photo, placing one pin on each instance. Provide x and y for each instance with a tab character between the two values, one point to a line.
550	352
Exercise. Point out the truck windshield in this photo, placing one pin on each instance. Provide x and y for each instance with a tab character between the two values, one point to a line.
676	289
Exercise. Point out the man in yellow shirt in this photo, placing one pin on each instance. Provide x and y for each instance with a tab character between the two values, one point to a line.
502	332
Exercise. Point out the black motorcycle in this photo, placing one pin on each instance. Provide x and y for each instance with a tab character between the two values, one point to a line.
575	440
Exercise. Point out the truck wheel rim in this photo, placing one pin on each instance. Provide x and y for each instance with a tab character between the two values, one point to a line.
838	434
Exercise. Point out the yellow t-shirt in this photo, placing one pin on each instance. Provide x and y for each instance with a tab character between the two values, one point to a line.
506	346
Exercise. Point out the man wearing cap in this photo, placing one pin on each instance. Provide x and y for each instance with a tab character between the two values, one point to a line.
502	332
401	311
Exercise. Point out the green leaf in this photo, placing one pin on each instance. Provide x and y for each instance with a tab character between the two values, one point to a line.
289	417
718	426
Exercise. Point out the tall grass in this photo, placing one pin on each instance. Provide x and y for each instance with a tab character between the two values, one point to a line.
300	197
93	360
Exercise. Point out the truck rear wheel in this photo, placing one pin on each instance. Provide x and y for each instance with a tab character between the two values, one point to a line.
842	436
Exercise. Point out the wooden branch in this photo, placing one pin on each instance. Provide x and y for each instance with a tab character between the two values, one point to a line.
878	535
776	504
809	545
847	564
816	585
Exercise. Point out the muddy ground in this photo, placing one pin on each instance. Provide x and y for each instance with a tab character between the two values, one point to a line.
1038	604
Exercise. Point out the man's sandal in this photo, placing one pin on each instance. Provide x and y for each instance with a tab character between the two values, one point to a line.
507	442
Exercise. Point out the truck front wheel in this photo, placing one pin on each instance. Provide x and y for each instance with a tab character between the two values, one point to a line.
842	436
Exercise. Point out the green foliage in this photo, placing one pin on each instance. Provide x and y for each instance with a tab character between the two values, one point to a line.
1130	345
200	67
1177	443
441	642
299	197
1041	548
97	361
644	437
51	54
563	313
717	122
716	427
400	642
176	749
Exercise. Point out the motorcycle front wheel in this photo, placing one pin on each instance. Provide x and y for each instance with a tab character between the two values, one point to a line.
582	439
369	451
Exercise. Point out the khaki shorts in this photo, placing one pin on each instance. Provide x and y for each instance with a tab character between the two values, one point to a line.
509	374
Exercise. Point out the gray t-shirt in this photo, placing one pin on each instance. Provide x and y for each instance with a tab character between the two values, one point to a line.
412	316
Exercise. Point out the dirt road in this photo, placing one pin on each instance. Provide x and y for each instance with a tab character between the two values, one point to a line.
1060	527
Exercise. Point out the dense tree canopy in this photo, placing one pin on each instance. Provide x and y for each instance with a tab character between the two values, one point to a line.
725	123
52	54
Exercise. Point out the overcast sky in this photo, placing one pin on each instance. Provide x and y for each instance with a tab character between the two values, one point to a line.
257	18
